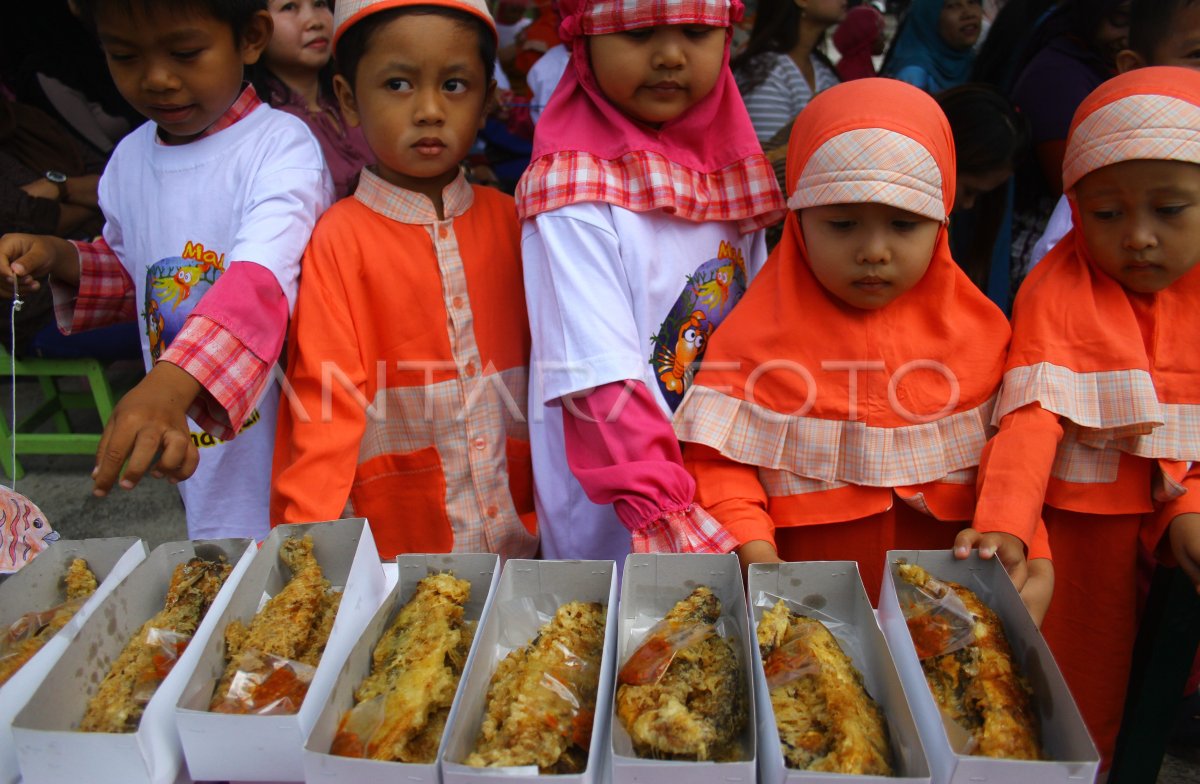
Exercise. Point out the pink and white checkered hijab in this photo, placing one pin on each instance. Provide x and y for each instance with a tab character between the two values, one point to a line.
704	165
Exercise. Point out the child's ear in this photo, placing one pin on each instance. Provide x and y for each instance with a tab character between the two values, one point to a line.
489	103
255	36
1128	60
346	99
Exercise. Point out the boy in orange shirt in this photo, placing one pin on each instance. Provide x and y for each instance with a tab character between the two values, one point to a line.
408	350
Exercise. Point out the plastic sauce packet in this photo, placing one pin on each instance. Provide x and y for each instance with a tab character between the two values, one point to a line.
32	623
267	685
358	726
649	663
166	647
937	619
792	660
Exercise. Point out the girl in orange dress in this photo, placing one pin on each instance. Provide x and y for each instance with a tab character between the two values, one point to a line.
844	406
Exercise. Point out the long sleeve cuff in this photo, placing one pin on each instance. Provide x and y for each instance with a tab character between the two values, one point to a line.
106	294
1014	472
623	451
233	376
731	492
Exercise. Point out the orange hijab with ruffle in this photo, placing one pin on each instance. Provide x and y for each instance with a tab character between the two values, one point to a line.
1121	366
787	401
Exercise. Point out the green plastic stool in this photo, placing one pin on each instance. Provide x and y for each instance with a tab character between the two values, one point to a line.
54	407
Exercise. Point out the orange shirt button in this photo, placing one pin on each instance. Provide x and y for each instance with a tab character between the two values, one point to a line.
443	232
492	511
479	443
457	302
470	369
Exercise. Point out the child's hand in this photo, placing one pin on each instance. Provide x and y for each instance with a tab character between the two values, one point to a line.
1010	549
1039	588
150	419
757	551
1184	534
31	256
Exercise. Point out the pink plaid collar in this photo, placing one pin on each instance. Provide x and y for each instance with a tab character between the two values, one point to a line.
407	206
246	102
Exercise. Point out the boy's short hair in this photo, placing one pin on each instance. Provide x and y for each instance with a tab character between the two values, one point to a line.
354	41
236	13
1149	23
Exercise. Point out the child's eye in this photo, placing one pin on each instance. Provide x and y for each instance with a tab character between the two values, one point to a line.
904	225
455	86
639	33
698	33
120	57
187	54
1104	215
841	225
1171	209
398	85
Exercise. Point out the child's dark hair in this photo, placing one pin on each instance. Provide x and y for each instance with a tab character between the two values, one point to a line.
235	13
353	44
988	132
1149	23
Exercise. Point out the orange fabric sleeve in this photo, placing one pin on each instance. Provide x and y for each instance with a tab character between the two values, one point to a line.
731	493
1014	471
1039	547
317	443
1155	527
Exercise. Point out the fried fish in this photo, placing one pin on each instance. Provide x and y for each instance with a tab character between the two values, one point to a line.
978	686
697	708
80	584
826	720
293	625
416	666
542	698
149	656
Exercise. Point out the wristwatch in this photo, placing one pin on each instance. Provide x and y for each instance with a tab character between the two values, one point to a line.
60	180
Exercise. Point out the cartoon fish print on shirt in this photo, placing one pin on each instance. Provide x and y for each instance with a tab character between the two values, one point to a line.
173	287
708	297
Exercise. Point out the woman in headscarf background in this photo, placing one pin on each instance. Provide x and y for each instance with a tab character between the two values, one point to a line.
934	48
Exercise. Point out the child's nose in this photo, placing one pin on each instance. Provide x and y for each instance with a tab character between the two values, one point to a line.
1140	236
428	109
158	77
874	250
669	55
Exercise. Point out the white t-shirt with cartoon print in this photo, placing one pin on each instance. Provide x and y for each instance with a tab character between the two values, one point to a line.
177	216
615	295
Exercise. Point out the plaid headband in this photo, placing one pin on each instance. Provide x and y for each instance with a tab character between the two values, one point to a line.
350	12
613	16
872	165
1137	127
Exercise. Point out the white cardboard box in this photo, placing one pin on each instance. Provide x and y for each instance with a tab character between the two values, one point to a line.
1070	754
834	590
38	587
522	580
221	747
482	570
652	585
50	748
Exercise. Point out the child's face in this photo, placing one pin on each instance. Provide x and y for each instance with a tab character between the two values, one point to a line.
960	23
867	254
181	70
1141	221
1181	45
420	94
303	29
655	74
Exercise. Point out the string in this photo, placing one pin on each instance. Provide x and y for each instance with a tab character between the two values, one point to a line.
12	380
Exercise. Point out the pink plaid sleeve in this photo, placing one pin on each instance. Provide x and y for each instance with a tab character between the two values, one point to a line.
691	530
232	375
106	294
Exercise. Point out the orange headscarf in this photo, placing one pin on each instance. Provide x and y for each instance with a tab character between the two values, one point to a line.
1121	367
786	401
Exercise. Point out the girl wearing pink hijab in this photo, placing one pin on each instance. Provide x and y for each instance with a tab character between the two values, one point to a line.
642	214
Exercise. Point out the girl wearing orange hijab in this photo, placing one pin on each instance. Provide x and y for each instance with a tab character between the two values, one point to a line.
858	376
1099	412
